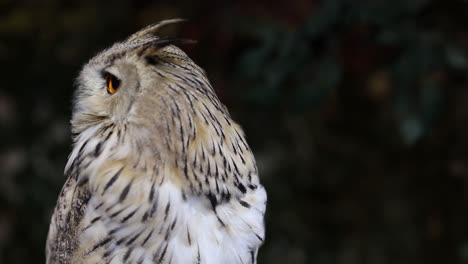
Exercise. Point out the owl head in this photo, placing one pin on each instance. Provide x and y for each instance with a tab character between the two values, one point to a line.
145	102
132	82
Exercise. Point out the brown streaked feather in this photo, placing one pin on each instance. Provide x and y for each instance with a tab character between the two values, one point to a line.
66	226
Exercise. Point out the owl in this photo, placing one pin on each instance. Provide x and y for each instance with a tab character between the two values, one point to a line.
159	172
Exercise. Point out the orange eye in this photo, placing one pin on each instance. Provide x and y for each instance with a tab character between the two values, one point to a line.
112	83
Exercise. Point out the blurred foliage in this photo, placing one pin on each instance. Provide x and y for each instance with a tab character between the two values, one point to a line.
357	112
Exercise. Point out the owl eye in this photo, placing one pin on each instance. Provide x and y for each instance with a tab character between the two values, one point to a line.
112	83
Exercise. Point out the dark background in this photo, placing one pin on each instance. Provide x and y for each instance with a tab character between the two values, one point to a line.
357	112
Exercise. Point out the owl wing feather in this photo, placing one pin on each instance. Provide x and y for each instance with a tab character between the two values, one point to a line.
65	227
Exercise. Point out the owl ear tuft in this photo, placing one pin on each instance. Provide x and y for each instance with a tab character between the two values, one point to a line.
157	44
166	41
152	29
